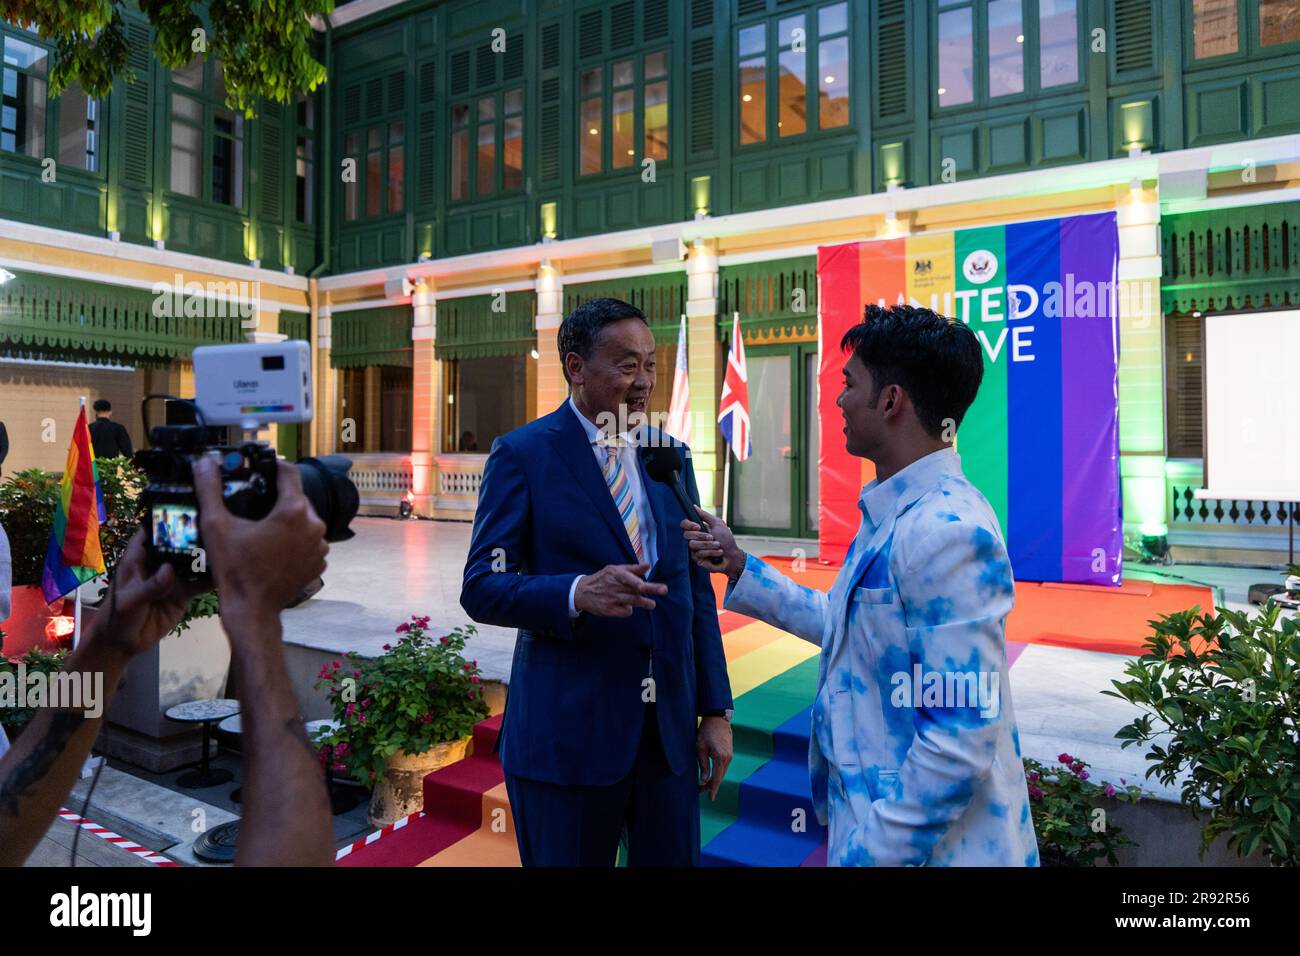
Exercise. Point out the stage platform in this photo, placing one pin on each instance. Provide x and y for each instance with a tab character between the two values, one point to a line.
1065	643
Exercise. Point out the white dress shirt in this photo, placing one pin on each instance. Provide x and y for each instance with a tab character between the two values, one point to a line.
644	515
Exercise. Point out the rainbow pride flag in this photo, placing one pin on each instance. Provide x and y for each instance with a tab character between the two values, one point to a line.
73	555
1041	440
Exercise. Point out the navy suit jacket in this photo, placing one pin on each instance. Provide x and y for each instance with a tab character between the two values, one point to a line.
574	712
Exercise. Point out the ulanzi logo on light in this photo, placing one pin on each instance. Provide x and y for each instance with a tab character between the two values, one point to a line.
980	266
73	909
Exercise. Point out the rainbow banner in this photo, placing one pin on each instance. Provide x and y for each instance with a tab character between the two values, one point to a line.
73	555
1041	440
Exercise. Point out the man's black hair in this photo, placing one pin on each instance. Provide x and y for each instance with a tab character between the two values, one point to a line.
936	360
102	405
581	327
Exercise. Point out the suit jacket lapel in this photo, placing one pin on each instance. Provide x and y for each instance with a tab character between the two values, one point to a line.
571	445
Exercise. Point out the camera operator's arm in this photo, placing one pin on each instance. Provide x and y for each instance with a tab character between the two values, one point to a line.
259	567
137	611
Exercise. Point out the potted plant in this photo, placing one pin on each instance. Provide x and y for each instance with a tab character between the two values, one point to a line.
15	718
403	714
27	500
1069	817
1222	707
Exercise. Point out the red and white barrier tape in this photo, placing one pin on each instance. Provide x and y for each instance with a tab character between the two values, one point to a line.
143	852
372	837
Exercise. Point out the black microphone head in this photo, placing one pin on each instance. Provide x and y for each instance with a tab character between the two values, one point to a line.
662	462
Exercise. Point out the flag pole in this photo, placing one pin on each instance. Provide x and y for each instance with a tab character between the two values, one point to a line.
76	595
726	484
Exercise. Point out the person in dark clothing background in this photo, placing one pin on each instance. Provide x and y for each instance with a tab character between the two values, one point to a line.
4	446
108	437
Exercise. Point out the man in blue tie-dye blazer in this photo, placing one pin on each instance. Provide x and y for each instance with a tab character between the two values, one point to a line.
914	755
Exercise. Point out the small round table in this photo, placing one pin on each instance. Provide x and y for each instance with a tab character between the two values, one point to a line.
205	712
234	727
339	802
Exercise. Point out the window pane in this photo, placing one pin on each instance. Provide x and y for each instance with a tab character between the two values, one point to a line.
350	187
956	58
374	177
624	154
375	137
753	41
792	31
305	173
185	108
753	101
656	121
621	73
25	56
591	82
793	91
190	75
187	160
656	64
832	19
78	130
1058	37
514	101
1279	22
22	113
833	82
396	172
1214	27
491	399
306	108
589	138
460	164
487	109
485	167
512	154
1006	48
228	158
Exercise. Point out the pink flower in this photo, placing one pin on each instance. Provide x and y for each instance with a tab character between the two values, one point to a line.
356	673
1036	793
338	664
402	628
1033	776
473	680
366	703
444	640
1110	791
349	710
427	719
1065	758
342	750
470	695
1083	775
388	647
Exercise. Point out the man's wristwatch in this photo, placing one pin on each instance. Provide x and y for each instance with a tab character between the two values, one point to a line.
724	714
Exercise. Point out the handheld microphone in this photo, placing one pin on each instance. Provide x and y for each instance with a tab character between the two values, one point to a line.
663	463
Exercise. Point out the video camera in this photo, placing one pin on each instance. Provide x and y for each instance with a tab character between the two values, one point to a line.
248	386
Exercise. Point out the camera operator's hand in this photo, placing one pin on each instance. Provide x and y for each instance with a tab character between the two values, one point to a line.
260	566
139	609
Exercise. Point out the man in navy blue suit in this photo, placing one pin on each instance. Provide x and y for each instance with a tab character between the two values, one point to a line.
619	709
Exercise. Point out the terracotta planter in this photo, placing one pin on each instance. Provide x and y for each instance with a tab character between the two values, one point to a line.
401	792
31	622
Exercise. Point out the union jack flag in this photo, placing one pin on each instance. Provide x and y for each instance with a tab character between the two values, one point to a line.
733	408
679	408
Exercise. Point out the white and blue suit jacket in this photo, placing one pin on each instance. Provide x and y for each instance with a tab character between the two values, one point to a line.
914	755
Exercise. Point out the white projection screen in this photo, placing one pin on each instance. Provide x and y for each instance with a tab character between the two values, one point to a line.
1252	405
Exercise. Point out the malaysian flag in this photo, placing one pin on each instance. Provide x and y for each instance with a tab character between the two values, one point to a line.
679	409
733	408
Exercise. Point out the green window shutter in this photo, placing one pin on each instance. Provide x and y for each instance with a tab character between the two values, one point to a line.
702	119
701	14
891	61
622	25
380	336
512	64
661	297
460	67
137	166
426	147
745	7
550	116
591	35
776	297
352	105
654	19
397	91
469	328
1134	36
375	96
1185	387
486	61
271	169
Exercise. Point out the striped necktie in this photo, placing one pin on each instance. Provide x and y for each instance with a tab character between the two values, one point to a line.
621	489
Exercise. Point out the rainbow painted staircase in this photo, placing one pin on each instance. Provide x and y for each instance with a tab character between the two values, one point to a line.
763	815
